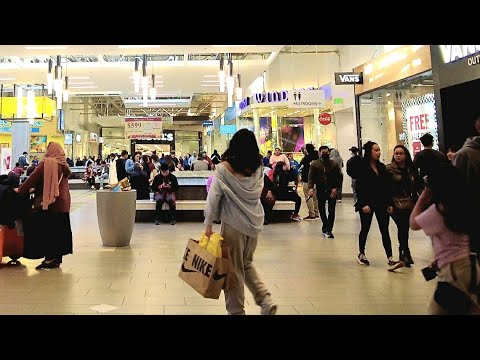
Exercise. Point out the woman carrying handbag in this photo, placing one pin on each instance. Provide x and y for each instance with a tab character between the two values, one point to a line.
403	180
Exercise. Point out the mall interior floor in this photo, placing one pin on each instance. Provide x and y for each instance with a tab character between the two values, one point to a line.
305	272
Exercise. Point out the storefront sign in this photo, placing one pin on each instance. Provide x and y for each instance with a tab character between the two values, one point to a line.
456	52
244	103
419	119
228	129
61	119
143	128
348	78
272	96
325	118
306	99
338	101
93	137
168	136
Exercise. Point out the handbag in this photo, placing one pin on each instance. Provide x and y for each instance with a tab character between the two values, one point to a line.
452	299
403	202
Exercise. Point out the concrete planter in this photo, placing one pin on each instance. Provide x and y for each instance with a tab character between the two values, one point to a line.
116	216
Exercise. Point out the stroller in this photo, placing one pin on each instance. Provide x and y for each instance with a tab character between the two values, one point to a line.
13	208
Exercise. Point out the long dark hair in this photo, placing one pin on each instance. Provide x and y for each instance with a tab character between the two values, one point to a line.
243	153
367	150
408	157
445	181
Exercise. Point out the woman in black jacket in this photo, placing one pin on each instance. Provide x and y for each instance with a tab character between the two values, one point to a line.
281	178
403	182
267	199
139	181
373	191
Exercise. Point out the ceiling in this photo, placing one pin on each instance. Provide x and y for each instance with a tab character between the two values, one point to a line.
186	76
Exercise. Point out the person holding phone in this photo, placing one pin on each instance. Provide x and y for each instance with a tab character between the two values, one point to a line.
447	219
165	185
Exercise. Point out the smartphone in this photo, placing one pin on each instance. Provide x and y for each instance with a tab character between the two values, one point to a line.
429	273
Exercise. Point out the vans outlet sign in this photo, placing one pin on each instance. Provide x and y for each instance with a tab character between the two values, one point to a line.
348	78
456	52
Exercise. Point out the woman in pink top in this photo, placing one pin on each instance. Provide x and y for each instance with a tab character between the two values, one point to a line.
278	156
445	217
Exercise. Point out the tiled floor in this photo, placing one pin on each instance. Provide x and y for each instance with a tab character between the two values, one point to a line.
306	273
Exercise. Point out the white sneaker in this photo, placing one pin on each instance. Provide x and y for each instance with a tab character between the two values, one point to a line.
268	306
92	187
101	187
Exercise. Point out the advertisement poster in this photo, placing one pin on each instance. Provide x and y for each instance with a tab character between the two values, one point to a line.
419	118
6	160
38	144
143	127
265	134
291	134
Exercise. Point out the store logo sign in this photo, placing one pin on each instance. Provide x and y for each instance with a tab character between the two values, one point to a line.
272	96
456	52
348	78
167	137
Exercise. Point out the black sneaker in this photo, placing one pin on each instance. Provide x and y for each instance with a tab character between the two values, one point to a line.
173	222
329	235
362	259
157	222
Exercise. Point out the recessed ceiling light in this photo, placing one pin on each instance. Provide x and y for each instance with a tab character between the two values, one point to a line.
137	46
46	47
7	79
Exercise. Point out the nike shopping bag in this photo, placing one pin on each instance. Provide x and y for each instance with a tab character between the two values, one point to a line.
203	271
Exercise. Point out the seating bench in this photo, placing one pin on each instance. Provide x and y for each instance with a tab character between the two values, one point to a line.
200	205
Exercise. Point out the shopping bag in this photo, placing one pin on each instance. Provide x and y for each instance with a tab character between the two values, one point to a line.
11	240
203	271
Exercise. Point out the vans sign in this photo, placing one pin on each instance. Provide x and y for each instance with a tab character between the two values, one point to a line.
348	78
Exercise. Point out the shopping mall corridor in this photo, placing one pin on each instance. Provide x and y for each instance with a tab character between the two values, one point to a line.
306	272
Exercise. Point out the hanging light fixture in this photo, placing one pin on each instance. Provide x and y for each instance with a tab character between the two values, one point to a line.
144	81
230	81
58	75
221	75
50	77
238	90
136	77
153	90
19	101
65	91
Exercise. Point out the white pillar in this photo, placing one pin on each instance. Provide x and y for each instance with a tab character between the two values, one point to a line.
21	131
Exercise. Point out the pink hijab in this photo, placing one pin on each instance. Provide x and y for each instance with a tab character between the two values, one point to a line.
53	157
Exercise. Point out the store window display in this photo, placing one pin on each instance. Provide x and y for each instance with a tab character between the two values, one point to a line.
400	114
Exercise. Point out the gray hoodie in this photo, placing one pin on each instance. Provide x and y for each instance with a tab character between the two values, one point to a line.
467	160
236	201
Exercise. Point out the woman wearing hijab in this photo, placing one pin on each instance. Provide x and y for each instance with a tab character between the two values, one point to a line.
50	181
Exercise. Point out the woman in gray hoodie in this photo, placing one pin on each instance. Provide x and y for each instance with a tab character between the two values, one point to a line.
234	198
337	159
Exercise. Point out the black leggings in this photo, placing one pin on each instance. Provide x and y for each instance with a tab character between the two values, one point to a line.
383	220
402	220
292	196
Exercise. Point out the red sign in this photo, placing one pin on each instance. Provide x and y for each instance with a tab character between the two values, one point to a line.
325	118
417	147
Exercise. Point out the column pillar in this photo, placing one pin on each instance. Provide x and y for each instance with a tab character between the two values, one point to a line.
256	124
21	131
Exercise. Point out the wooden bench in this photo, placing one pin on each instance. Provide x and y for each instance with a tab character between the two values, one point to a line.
200	205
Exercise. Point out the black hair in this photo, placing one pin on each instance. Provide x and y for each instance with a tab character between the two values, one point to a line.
278	168
444	181
25	153
367	150
310	149
243	153
323	147
427	139
17	164
124	152
408	157
164	167
453	148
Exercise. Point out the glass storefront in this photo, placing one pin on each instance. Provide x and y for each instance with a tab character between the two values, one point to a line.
289	129
399	114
